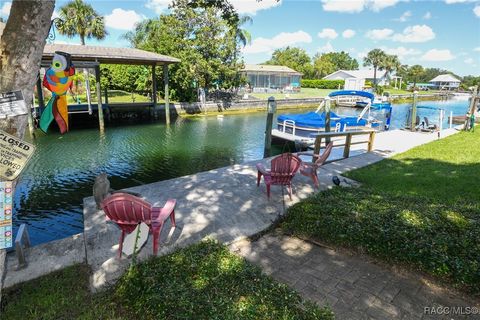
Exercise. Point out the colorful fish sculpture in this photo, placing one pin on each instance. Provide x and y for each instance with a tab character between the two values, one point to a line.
58	79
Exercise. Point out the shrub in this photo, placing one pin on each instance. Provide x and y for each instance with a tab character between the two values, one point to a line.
322	84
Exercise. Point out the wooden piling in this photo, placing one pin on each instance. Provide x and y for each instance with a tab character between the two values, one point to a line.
317	148
271	106
101	122
348	142
154	91
371	140
167	98
413	124
327	119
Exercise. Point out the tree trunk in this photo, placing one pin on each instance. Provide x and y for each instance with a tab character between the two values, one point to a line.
21	45
375	76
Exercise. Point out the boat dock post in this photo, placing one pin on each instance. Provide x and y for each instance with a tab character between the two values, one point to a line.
271	108
413	125
327	118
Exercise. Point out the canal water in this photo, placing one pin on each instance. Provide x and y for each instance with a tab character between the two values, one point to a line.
50	193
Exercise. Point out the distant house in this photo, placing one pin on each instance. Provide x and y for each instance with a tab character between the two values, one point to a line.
269	78
355	79
445	82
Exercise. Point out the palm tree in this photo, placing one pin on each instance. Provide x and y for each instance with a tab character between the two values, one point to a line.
414	72
375	58
391	63
79	18
243	36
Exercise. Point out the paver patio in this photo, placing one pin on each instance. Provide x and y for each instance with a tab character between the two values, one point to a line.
355	287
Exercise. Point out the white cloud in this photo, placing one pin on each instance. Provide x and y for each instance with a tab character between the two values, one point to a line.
5	10
417	33
427	15
402	52
469	61
122	19
251	7
279	41
353	6
326	48
379	34
327	33
405	16
348	33
159	6
438	55
476	10
458	1
477	49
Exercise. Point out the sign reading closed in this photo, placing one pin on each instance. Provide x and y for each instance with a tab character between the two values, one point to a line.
14	155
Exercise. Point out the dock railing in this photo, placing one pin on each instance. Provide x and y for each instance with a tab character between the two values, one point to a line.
344	139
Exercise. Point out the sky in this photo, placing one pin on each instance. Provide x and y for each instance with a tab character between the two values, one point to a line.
435	33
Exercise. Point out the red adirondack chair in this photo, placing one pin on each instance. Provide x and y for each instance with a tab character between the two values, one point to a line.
128	211
283	169
309	169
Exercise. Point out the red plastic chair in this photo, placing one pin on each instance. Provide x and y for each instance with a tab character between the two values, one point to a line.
310	169
283	169
128	211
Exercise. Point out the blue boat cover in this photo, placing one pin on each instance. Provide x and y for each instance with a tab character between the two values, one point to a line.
353	93
315	120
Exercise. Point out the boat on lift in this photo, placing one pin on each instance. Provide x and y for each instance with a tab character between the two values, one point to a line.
302	128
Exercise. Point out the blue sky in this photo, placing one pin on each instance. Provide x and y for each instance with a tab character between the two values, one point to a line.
441	33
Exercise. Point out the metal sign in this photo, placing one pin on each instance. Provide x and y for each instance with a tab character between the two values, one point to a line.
12	104
14	155
6	232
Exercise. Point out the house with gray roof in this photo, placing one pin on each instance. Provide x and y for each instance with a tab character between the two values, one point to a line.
271	78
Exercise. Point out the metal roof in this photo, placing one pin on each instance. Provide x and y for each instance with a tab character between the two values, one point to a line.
269	68
445	78
108	55
359	74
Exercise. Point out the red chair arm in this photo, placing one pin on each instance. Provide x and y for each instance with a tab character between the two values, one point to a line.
159	214
261	168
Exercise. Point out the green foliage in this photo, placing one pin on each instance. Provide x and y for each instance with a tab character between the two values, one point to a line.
127	77
203	281
295	58
207	45
342	60
375	58
414	73
470	81
79	18
206	281
419	208
322	66
322	84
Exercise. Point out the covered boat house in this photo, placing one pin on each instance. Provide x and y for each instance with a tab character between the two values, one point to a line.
91	57
270	78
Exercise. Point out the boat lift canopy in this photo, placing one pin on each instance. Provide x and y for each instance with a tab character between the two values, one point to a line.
353	93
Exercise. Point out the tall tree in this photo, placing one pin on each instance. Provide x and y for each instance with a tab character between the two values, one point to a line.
414	73
391	63
322	65
80	19
21	46
295	58
375	59
342	61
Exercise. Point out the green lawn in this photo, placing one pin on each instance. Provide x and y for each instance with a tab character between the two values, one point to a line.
203	281
420	209
304	93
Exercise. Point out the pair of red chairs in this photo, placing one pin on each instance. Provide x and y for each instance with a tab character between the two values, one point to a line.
285	166
128	211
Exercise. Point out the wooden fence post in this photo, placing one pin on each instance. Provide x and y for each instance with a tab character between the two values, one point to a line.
346	149
371	139
316	150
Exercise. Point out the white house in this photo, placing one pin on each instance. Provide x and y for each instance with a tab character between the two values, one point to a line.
358	77
445	81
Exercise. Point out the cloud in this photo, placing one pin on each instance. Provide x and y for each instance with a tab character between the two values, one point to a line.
458	1
327	33
326	48
469	61
348	33
477	49
476	10
427	15
401	52
379	34
404	17
5	10
279	41
251	7
159	6
354	6
122	19
417	33
438	55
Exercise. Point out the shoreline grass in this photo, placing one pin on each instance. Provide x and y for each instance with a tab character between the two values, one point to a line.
203	281
420	208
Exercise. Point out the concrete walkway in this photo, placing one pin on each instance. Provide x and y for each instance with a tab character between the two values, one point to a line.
224	203
352	286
